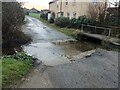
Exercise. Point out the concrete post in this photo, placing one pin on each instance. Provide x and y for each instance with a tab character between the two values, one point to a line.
109	33
95	30
82	28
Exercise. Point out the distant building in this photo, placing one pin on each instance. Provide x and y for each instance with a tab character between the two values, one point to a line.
26	10
33	10
72	9
45	11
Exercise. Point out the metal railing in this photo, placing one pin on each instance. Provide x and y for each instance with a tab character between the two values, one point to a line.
96	30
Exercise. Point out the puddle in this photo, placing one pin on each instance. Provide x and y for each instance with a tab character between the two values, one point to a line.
47	52
71	48
53	47
56	53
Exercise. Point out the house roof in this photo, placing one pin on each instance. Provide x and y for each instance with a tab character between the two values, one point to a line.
53	1
34	9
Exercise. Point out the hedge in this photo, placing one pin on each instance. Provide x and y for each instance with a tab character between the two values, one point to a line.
74	23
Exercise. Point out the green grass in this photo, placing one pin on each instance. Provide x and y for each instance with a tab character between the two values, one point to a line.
67	31
35	15
14	68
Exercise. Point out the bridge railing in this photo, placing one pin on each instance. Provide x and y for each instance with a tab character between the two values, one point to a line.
115	32
96	30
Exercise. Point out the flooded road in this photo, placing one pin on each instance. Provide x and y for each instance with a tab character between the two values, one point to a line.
50	46
98	70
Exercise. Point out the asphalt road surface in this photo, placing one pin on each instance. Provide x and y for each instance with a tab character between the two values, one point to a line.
97	70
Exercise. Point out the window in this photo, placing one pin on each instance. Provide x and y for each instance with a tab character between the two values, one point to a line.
68	14
66	2
74	2
94	1
61	14
74	14
57	4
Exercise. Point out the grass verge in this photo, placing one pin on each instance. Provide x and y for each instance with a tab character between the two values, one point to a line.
67	31
14	67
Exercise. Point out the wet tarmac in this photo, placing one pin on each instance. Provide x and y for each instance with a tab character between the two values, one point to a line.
99	69
50	46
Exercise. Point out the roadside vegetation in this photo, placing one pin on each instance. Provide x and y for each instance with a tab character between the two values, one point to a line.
12	19
14	67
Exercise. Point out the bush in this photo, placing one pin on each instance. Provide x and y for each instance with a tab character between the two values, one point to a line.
79	36
86	21
15	39
119	36
27	13
44	16
51	20
73	23
62	22
77	23
12	18
22	56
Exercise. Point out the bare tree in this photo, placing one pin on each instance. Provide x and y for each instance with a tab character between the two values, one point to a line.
115	2
92	11
97	11
116	10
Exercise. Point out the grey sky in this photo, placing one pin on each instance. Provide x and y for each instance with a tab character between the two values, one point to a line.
41	4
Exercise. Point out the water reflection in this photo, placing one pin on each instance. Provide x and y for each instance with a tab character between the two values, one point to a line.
74	48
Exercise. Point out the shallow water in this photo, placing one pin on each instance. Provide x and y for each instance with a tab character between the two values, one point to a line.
50	46
76	47
52	54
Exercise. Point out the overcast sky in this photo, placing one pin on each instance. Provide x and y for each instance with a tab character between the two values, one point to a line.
40	4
